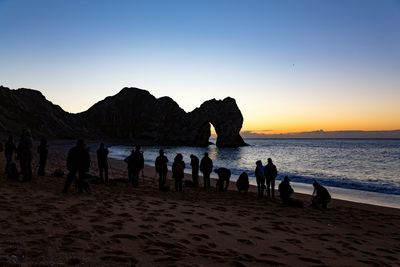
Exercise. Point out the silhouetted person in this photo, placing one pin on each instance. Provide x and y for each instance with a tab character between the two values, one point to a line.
78	162
321	196
260	178
9	149
135	163
242	182
206	167
194	162
102	162
223	178
270	174
162	169
285	190
24	153
43	151
177	171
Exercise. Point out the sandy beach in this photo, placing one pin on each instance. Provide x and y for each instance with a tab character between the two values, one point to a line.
117	225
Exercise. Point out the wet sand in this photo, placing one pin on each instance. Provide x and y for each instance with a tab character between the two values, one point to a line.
118	225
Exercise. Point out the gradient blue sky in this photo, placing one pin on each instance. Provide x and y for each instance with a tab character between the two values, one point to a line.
291	65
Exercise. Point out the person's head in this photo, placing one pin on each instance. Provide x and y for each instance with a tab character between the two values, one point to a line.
26	132
286	179
101	145
258	163
138	148
315	184
178	157
161	152
205	154
80	143
43	141
191	156
269	161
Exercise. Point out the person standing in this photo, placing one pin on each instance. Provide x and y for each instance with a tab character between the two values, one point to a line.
78	161
9	149
260	178
43	151
161	169
135	163
102	162
206	167
270	174
24	153
194	162
177	171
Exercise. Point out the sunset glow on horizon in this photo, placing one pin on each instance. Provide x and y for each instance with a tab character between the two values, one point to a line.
291	66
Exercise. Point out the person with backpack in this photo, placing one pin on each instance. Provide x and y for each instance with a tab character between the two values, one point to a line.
78	162
177	171
206	167
270	174
135	163
162	169
224	176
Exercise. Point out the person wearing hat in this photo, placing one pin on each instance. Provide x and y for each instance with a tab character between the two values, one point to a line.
285	190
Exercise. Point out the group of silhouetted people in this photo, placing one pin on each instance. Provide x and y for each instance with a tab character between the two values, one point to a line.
78	164
23	153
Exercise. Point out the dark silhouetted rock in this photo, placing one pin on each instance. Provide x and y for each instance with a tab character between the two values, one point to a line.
132	114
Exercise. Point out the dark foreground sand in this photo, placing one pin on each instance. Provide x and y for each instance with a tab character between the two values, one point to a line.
121	226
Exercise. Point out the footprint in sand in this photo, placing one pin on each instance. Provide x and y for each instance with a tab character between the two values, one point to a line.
245	241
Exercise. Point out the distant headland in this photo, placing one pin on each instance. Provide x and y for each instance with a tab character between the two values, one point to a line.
131	115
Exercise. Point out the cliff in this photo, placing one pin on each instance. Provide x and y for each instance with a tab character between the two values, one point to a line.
132	114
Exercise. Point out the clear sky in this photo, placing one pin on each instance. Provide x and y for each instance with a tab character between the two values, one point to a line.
291	65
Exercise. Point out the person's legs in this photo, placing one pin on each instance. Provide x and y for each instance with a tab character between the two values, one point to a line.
68	182
8	163
101	171
176	185
195	175
161	181
106	174
135	182
268	187
273	187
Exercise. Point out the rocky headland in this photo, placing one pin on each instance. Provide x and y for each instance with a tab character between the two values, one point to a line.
131	115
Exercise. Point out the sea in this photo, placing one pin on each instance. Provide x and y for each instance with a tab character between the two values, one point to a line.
360	170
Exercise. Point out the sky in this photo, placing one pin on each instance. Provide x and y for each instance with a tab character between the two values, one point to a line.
291	65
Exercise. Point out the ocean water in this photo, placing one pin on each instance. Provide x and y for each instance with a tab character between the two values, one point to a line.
370	165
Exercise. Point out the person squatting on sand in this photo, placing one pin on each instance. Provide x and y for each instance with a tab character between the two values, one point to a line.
135	163
320	196
260	178
177	171
9	149
242	182
194	162
102	162
223	179
270	174
24	154
161	169
206	167
43	151
78	161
